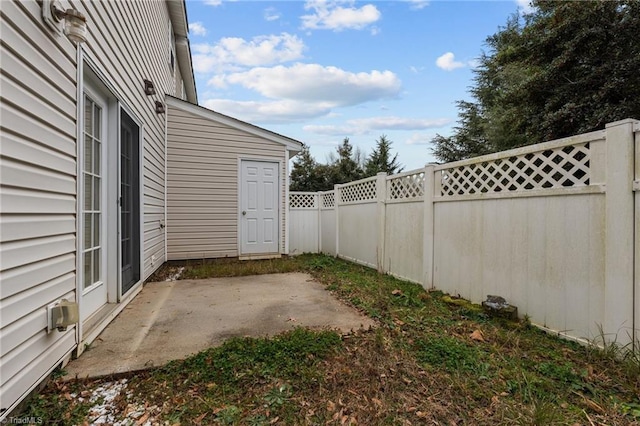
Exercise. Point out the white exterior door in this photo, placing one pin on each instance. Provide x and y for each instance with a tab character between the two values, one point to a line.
92	205
259	207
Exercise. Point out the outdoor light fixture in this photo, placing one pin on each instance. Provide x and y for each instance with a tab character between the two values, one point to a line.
149	88
75	23
159	107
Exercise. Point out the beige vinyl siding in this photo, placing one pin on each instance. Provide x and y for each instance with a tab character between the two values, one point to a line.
38	108
202	183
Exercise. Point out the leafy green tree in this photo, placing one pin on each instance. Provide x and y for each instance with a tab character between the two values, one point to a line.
566	68
380	159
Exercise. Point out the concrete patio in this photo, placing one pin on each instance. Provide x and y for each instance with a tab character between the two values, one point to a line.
172	320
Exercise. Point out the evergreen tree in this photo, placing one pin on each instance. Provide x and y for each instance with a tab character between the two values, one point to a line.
566	68
380	159
306	173
345	168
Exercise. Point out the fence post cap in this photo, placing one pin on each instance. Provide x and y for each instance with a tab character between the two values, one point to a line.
620	122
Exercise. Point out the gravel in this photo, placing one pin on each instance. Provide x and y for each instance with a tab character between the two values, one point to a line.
105	409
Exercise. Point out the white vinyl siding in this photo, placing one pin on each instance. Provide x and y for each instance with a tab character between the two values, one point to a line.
202	183
37	196
128	43
127	53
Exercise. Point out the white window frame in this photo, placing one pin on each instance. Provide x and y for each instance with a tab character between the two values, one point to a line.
99	100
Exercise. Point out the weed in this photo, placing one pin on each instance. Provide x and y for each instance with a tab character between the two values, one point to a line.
632	409
448	352
258	420
539	413
607	350
58	373
228	415
526	321
528	386
562	372
321	263
277	396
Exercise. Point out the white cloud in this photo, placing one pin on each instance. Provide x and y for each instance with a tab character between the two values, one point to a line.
418	4
281	111
329	130
197	28
362	126
301	92
213	2
399	123
233	53
271	14
316	83
525	6
217	81
420	139
474	63
448	63
331	15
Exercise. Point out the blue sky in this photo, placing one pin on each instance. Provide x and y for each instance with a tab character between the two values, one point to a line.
319	71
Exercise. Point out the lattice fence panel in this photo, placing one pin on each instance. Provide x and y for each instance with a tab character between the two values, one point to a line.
302	201
328	200
407	186
361	191
553	168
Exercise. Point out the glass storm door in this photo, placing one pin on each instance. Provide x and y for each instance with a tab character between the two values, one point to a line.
129	202
94	288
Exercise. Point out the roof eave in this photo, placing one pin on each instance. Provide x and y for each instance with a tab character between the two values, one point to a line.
178	16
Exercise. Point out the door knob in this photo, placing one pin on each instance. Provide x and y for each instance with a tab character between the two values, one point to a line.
244	213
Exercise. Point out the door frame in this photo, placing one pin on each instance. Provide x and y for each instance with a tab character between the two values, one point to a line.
119	295
90	74
279	162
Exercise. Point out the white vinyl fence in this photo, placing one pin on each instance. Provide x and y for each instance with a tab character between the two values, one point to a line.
554	228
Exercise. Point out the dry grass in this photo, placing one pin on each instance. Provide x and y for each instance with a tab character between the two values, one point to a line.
429	362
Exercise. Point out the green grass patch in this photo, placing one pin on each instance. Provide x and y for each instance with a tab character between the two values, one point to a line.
289	356
449	353
244	381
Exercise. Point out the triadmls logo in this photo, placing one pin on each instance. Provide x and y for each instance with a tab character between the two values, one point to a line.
26	420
